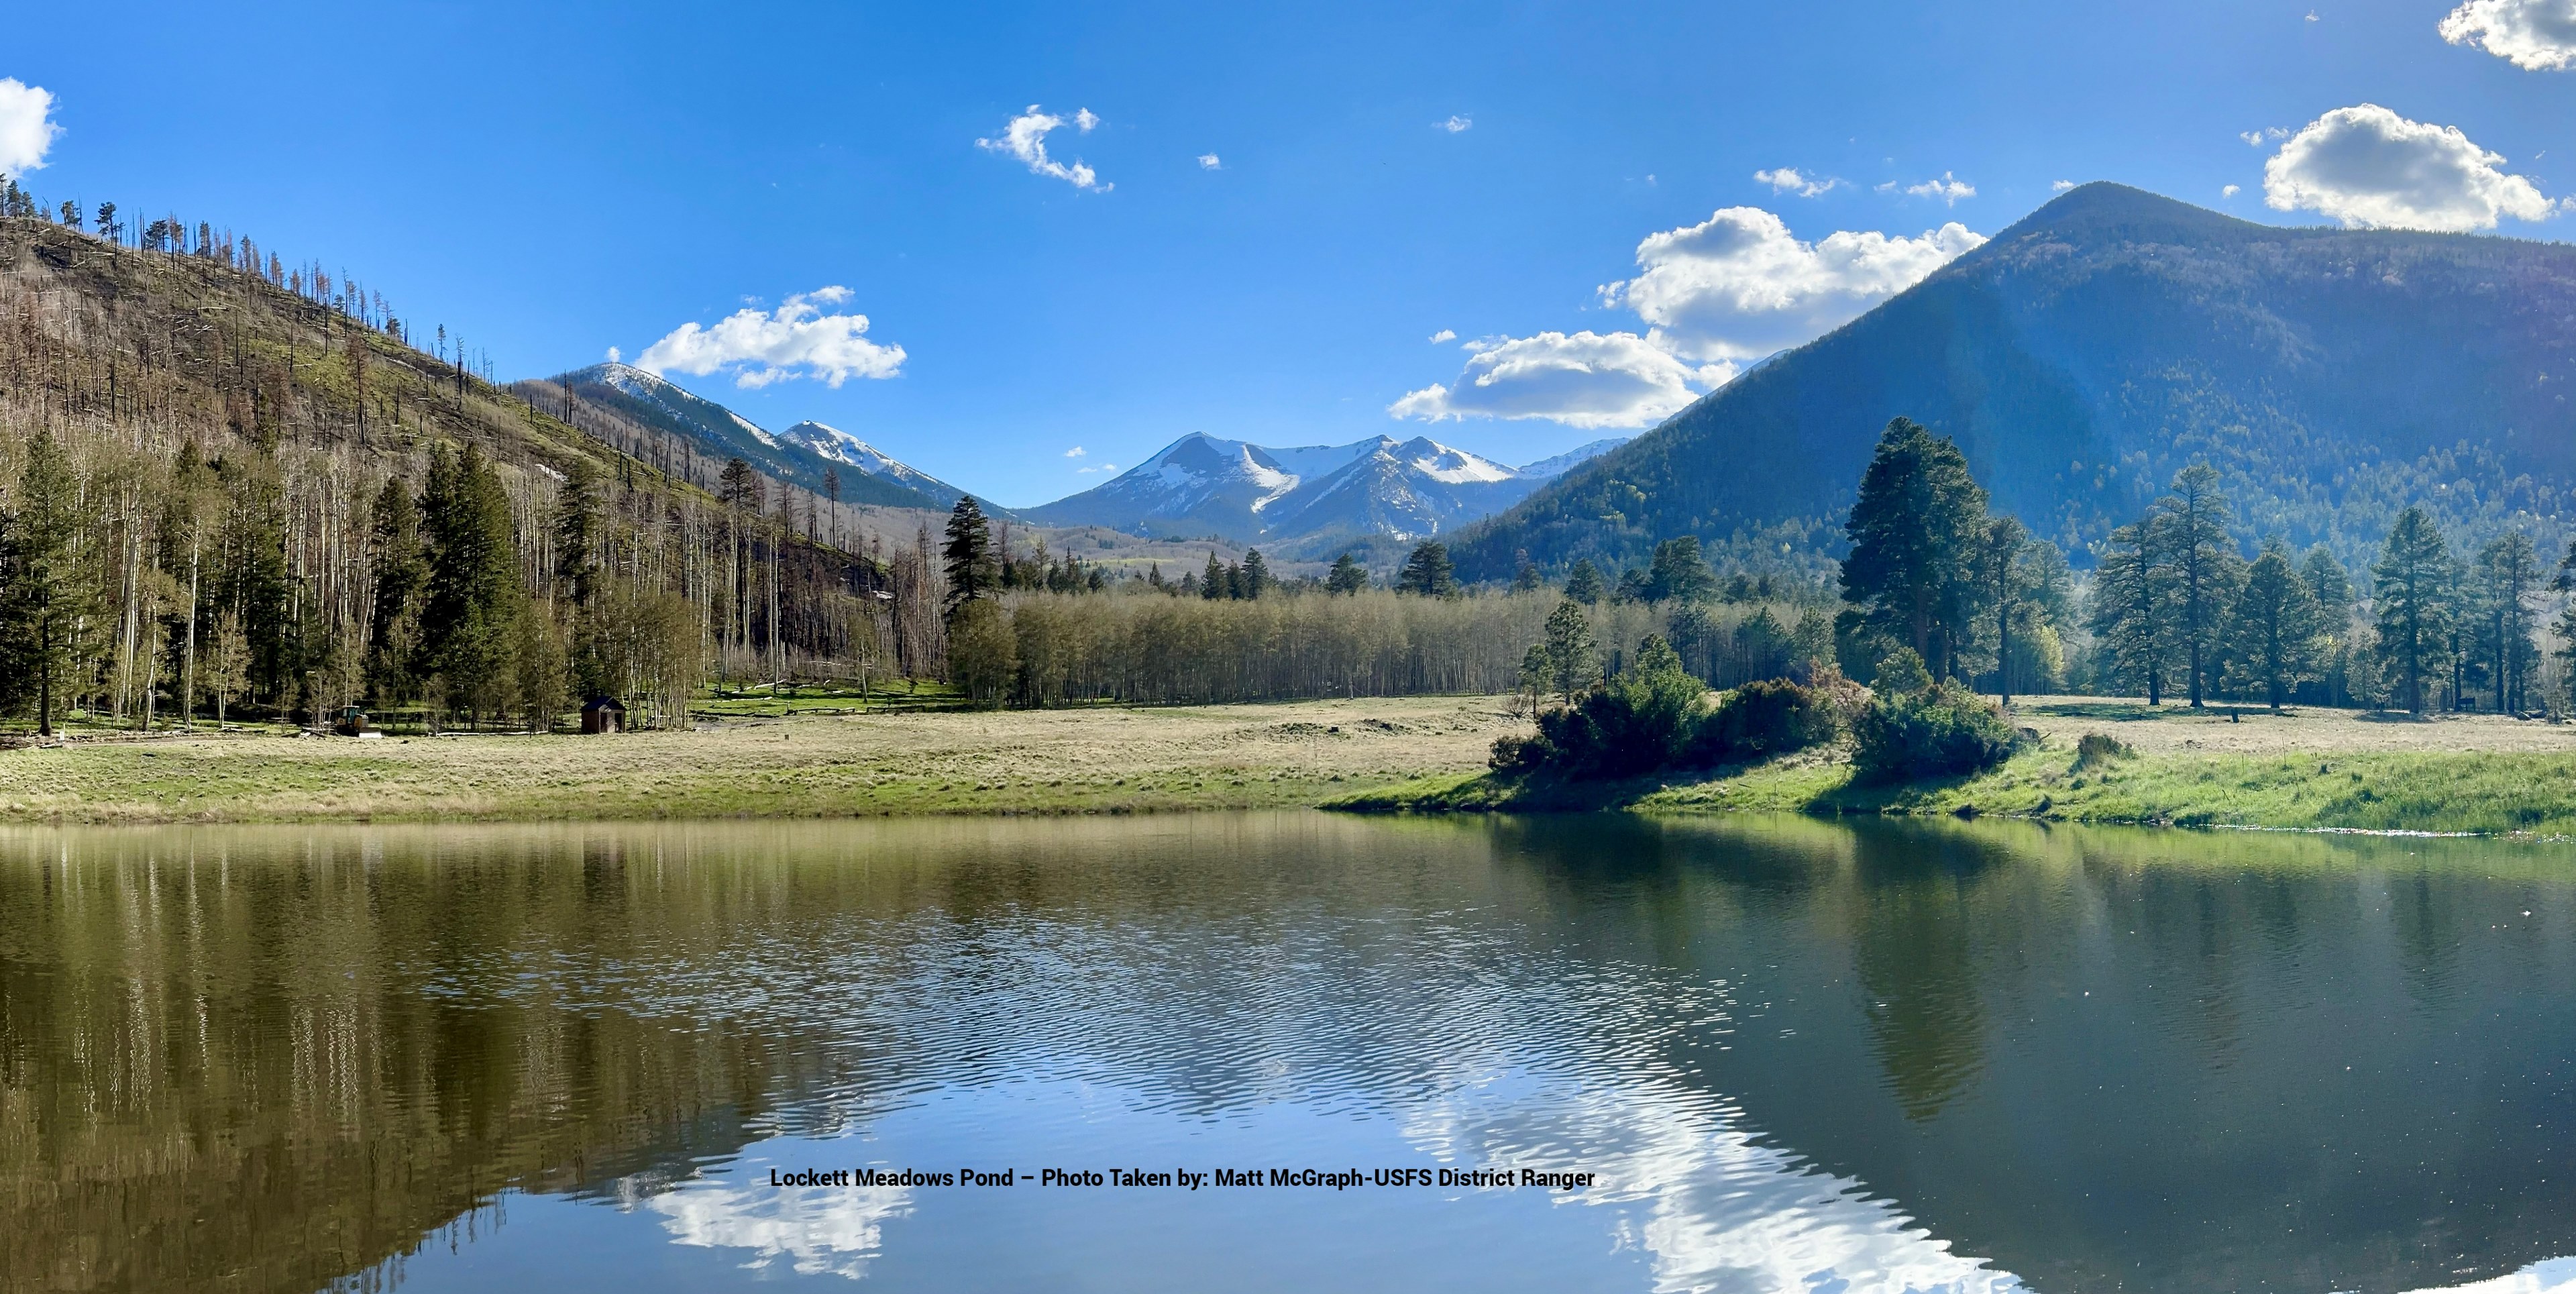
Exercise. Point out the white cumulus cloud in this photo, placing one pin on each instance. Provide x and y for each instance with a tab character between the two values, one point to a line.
1790	180
2534	35
2370	168
2228	190
799	339
27	126
1210	162
1587	379
1455	124
1949	189
1739	286
1025	139
1445	334
2060	186
1075	452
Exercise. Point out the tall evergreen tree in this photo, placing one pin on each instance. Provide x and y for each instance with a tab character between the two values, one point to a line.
1679	573
475	595
49	595
967	556
1914	532
577	535
1427	572
1347	576
1525	577
393	621
2024	588
2132	609
2205	569
1583	582
2508	571
2411	590
2276	634
1573	662
1255	579
1217	583
2332	588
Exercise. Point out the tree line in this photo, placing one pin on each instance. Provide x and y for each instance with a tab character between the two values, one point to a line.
2176	606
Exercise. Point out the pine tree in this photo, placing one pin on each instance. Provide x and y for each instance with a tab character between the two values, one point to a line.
2508	571
2205	569
2023	584
967	556
1573	663
1583	583
1255	578
1427	572
474	596
46	619
2565	582
1678	573
393	622
2276	635
2411	584
1525	578
2332	589
1218	583
2132	609
1347	576
1914	533
576	533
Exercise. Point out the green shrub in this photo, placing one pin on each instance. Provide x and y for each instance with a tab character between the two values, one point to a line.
2095	749
1632	725
1935	732
1760	720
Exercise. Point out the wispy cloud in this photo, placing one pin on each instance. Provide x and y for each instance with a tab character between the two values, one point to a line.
1075	452
1455	124
1445	334
1025	139
2060	186
1788	180
1949	189
1209	162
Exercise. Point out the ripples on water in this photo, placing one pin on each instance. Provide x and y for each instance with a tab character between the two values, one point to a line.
1801	1055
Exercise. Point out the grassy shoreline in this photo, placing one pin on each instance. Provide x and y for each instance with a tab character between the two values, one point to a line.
2312	771
792	766
2317	770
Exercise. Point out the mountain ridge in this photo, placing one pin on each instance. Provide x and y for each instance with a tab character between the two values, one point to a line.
2088	351
1306	498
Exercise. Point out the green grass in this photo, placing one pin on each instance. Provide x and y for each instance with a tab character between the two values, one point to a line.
2484	792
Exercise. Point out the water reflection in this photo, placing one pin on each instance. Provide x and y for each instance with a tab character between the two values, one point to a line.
1801	1054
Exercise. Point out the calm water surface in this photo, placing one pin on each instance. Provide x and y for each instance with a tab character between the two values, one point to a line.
1796	1055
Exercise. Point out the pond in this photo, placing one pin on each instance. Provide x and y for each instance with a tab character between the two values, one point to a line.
1239	1051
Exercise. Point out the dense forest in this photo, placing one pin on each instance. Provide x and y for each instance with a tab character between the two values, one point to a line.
230	484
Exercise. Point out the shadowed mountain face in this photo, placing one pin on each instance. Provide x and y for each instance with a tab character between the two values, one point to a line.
799	455
1309	498
2089	352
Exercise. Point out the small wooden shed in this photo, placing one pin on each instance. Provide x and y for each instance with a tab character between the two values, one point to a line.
602	714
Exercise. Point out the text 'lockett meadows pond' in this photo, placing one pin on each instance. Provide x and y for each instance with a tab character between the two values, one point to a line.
1185	1179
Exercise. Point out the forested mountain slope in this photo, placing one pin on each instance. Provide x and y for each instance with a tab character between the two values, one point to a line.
222	434
664	423
2090	351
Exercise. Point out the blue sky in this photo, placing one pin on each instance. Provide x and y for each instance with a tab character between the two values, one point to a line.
551	181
